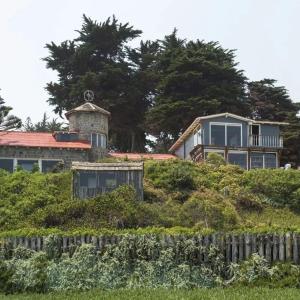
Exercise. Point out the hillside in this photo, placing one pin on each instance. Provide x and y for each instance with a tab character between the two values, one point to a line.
207	196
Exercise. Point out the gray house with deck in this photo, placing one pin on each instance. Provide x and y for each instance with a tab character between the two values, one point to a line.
241	141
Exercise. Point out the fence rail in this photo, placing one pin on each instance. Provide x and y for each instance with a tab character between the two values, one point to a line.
235	248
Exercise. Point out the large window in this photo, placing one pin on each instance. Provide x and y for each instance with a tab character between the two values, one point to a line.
7	164
263	160
226	134
239	159
98	140
49	165
27	165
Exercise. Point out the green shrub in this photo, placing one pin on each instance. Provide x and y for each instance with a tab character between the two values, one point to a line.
278	187
215	159
208	209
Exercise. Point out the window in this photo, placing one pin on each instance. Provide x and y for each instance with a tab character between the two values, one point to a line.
49	165
217	135
223	134
198	137
257	161
239	159
88	180
98	140
263	160
7	164
270	160
27	165
234	136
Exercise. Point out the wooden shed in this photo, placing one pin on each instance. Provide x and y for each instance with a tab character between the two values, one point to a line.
92	179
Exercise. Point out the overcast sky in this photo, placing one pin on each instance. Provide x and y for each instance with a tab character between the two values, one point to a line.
264	32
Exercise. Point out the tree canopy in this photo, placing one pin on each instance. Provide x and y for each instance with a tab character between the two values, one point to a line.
45	125
159	87
8	121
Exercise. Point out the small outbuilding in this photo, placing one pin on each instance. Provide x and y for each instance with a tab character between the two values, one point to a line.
92	179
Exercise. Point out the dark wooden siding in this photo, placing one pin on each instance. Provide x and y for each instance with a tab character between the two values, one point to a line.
88	184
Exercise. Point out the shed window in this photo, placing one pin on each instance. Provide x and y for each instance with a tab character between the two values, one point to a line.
88	180
239	159
7	164
27	165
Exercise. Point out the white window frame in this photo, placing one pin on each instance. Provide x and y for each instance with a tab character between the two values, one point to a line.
276	154
238	152
98	139
198	136
226	124
259	133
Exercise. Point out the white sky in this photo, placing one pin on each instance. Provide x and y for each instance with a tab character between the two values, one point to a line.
264	32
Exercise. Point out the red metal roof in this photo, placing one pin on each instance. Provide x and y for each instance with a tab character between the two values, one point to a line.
37	139
139	156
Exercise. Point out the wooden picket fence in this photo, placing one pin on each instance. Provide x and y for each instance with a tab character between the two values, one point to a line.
235	247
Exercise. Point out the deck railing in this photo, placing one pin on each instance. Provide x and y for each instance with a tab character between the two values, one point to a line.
268	141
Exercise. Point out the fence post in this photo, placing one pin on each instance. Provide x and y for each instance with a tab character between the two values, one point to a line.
268	248
234	249
241	247
288	246
228	248
247	245
281	248
295	248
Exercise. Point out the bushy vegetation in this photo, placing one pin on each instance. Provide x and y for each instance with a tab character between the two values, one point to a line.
135	262
207	196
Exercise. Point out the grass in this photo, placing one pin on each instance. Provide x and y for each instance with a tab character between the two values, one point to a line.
166	294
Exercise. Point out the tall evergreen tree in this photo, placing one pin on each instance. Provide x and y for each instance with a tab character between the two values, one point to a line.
271	102
8	121
197	79
98	60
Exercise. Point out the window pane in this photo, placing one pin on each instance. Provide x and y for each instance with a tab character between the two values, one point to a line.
270	160
88	180
94	140
239	159
218	135
7	164
49	165
234	136
27	165
103	140
256	160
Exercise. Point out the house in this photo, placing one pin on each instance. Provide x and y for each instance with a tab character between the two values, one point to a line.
86	140
241	141
91	179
